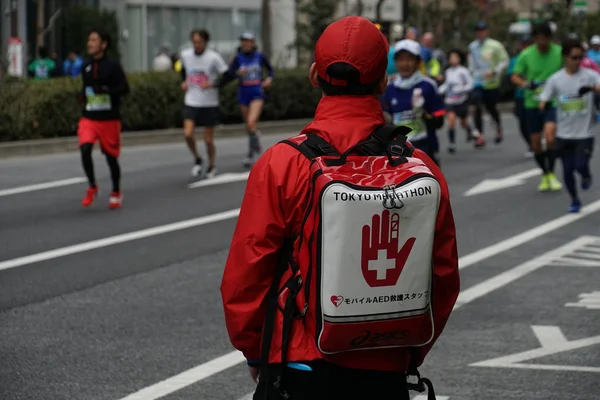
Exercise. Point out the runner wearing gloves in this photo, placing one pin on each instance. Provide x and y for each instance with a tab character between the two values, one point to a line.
535	65
487	60
343	266
104	83
573	87
458	84
412	99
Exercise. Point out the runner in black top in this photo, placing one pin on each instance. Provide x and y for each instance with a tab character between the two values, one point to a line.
104	83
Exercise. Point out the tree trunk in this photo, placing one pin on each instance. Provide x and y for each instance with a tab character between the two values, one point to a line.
266	27
41	22
378	11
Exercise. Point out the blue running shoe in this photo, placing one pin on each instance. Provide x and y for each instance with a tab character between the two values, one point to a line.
575	207
586	183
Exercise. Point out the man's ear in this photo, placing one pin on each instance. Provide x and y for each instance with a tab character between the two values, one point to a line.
312	75
382	84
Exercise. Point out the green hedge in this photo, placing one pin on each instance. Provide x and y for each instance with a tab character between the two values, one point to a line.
44	109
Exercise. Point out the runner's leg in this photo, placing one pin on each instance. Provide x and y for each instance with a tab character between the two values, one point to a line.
115	172
254	111
87	137
88	163
451	116
582	164
490	99
477	98
550	135
189	124
244	110
568	157
520	114
110	140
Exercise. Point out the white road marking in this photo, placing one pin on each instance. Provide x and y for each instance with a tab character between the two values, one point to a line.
590	301
552	341
188	377
418	397
492	185
112	240
220	179
41	186
527	236
503	279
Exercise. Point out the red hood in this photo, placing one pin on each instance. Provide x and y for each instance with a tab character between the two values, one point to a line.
344	121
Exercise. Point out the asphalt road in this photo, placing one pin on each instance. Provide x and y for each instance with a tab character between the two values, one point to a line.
87	312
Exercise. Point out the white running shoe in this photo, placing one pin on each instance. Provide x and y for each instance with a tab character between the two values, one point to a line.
196	170
212	171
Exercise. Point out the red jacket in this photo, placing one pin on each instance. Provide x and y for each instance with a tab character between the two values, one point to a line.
275	199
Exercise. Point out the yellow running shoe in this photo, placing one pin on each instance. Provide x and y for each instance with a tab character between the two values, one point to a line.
544	184
553	182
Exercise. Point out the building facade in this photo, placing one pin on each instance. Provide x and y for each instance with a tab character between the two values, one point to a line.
148	25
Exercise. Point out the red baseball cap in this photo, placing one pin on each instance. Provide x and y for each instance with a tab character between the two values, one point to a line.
355	41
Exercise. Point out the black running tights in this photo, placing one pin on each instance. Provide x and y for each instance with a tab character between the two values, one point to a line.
88	167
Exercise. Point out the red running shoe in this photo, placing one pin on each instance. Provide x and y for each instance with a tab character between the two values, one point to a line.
90	196
115	200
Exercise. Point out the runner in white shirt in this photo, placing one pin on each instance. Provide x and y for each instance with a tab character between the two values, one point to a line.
201	67
573	87
458	83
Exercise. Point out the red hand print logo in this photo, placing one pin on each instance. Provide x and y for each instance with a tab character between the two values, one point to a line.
382	235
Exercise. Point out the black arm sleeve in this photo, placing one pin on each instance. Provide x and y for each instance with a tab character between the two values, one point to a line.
183	73
121	86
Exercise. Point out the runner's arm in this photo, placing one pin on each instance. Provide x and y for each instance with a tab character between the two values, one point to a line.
446	279
503	59
230	74
434	106
519	70
548	93
253	258
264	61
121	86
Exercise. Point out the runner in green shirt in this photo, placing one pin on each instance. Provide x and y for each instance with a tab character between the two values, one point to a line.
42	67
535	65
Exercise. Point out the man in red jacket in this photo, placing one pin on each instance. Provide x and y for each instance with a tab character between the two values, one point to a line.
350	65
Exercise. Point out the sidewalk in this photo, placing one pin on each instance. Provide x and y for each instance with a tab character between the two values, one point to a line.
137	138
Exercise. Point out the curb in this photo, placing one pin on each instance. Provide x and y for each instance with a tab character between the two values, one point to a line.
139	138
173	135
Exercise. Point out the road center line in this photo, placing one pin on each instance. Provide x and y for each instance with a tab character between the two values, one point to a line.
41	186
198	373
112	240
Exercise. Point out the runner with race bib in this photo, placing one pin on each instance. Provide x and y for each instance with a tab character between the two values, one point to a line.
458	84
412	98
574	88
535	65
104	83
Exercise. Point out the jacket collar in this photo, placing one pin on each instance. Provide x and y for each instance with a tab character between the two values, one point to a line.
344	121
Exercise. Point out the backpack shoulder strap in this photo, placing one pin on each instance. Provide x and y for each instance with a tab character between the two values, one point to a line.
314	146
388	139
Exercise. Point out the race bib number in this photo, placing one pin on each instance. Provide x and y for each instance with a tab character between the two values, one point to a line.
97	102
573	104
196	78
410	120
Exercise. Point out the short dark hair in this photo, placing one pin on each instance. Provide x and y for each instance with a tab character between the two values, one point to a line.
571	44
461	55
345	72
103	34
203	33
542	29
43	52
